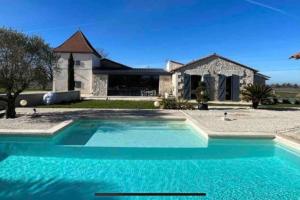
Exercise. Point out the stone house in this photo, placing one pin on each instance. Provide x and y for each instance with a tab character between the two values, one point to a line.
224	78
94	75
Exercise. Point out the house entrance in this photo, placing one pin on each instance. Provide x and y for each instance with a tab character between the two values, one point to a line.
228	88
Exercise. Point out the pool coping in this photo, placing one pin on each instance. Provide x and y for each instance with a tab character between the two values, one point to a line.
204	131
53	130
287	143
229	135
36	132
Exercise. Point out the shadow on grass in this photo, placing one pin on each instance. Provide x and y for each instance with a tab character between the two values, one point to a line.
52	189
55	117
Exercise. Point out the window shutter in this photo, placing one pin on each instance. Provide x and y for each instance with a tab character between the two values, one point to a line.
187	86
235	88
222	87
209	81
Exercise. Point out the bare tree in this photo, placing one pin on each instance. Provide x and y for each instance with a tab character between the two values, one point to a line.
23	60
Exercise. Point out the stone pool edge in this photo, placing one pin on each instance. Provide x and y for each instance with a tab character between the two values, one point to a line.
36	132
223	135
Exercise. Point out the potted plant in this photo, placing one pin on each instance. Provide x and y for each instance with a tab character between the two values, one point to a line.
202	96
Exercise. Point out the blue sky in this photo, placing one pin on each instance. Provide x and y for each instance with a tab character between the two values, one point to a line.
261	33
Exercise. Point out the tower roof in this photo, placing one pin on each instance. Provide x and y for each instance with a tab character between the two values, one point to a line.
77	43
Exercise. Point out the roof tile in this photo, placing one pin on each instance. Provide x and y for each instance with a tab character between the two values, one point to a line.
77	43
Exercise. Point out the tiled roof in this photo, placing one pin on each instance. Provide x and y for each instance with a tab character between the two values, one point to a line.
133	71
263	76
296	56
77	43
107	64
216	56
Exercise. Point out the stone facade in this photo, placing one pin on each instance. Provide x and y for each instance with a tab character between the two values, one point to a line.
97	84
100	85
165	84
83	72
214	67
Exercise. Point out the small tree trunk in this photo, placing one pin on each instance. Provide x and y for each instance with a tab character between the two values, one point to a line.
11	108
255	104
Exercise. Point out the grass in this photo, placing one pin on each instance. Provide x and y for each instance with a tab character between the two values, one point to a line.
125	104
122	104
287	92
279	106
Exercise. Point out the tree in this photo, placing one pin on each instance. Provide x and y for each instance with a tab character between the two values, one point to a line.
255	93
202	95
45	72
71	80
23	60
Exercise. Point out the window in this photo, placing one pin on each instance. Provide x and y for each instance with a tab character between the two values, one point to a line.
77	84
77	62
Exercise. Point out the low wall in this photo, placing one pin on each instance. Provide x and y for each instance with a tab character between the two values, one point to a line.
36	98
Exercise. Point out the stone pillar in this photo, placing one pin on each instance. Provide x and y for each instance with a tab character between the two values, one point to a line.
165	84
100	85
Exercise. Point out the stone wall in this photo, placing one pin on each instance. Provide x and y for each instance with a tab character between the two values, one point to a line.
100	85
82	73
165	84
214	67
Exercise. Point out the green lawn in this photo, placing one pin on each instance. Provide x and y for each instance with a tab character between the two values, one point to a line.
287	92
279	106
123	104
105	104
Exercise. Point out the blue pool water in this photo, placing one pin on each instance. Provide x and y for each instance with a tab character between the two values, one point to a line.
134	133
61	167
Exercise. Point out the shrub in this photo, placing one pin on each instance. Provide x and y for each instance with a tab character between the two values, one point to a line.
177	104
184	105
297	102
256	93
275	100
169	104
286	101
268	101
201	93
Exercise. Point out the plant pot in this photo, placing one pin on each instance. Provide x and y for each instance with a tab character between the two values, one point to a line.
203	106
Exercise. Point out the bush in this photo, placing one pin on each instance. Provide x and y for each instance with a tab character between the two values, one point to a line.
286	101
256	93
297	102
275	100
184	105
177	104
267	101
169	104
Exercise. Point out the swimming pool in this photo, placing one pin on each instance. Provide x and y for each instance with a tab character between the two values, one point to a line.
62	167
